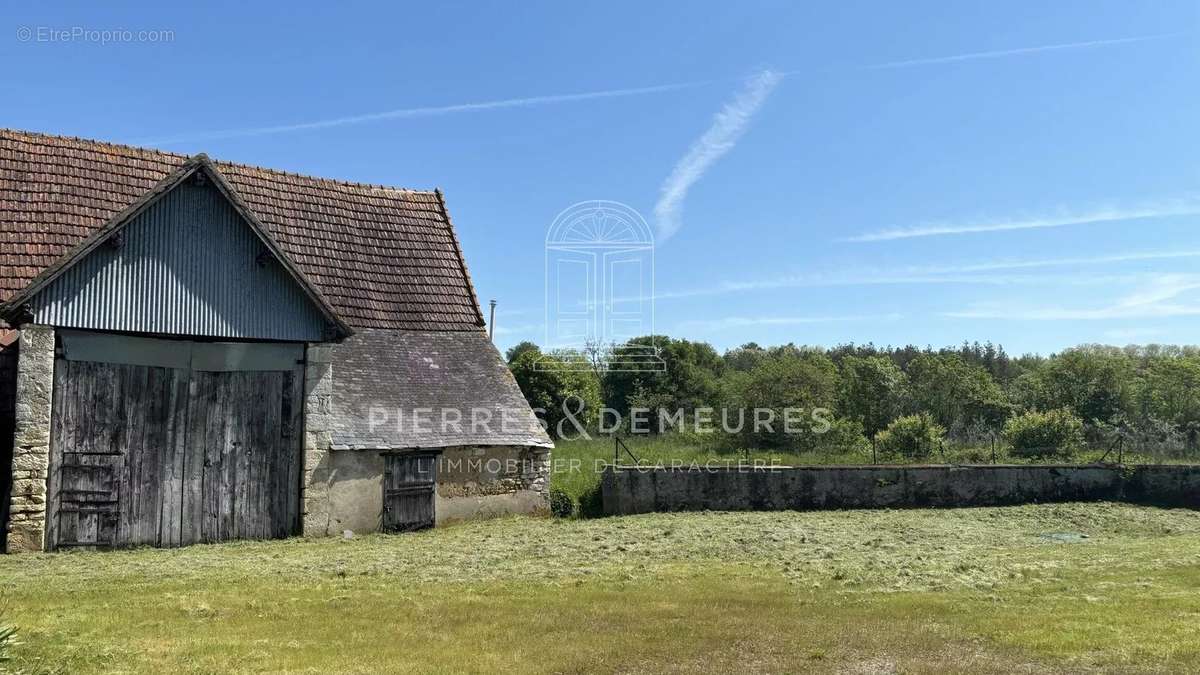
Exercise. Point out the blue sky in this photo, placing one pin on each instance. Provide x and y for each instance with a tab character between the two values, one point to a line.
898	173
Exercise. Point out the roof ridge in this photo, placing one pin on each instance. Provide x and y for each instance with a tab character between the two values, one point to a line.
94	141
217	161
321	179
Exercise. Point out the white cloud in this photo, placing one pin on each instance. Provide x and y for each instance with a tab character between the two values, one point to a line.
1150	301
897	279
741	321
1022	51
1104	215
727	127
983	273
1011	264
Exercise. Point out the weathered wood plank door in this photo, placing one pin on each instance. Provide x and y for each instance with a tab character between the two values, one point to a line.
409	481
159	456
242	476
111	426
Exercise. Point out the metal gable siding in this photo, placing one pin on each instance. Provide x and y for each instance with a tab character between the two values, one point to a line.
188	265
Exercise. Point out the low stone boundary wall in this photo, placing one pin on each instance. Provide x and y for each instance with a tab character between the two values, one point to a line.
628	490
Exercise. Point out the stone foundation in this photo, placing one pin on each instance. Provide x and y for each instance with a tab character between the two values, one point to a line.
484	482
318	429
472	482
31	439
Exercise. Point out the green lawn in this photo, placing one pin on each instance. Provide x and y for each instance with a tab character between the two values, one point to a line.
970	590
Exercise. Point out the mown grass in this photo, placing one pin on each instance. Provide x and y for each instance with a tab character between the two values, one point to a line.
970	590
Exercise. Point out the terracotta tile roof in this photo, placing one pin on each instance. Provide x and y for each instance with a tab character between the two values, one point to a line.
382	257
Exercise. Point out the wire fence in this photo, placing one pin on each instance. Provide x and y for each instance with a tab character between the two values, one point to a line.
1115	447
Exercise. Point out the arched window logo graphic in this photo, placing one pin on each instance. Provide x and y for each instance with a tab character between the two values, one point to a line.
600	287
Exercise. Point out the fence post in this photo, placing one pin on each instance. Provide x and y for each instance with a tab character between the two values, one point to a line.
616	450
874	459
993	447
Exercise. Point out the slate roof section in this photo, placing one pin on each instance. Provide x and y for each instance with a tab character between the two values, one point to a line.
412	380
382	257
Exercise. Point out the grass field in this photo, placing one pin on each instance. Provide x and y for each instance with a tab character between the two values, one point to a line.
974	590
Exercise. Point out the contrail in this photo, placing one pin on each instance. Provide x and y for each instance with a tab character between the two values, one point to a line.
1021	51
1099	216
742	321
727	127
591	95
426	112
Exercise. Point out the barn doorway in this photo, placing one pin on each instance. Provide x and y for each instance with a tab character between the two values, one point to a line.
171	442
409	485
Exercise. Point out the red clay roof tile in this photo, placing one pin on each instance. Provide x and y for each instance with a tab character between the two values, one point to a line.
383	257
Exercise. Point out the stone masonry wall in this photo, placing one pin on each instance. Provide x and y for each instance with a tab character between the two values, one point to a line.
485	481
31	439
472	482
318	430
536	471
473	471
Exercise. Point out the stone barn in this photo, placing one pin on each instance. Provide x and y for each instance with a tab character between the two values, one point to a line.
197	351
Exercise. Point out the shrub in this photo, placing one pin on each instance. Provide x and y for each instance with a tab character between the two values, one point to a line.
553	386
591	502
788	378
561	504
1044	434
912	436
844	436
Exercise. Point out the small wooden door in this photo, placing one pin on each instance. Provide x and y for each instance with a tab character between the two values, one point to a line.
409	482
89	509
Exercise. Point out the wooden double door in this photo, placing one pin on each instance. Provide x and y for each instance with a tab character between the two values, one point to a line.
168	453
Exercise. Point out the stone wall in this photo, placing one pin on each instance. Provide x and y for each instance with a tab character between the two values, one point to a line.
472	482
31	439
318	430
482	482
645	490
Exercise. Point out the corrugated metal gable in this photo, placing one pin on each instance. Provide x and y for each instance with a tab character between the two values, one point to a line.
188	265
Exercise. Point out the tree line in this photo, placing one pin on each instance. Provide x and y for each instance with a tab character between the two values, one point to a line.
907	399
